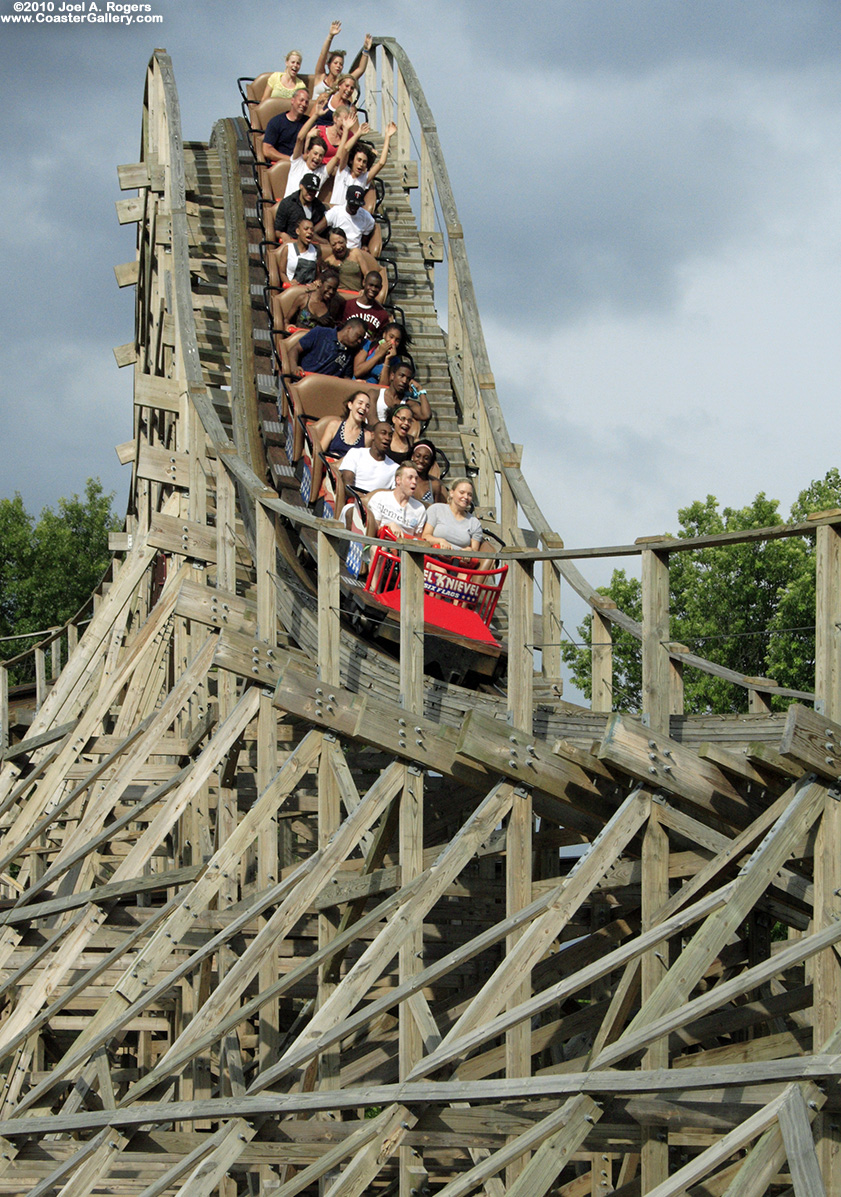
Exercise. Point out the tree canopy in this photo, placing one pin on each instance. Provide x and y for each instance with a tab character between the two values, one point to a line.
750	607
49	566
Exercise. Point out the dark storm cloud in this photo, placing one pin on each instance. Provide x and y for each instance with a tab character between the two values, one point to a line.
636	36
615	216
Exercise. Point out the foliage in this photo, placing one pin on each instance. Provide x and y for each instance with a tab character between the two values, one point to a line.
48	568
749	607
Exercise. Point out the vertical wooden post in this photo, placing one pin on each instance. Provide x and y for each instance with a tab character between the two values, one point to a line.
55	658
329	799
454	327
427	194
826	976
410	1044
550	655
759	702
654	1157
4	711
601	662
676	692
655	632
329	620
508	510
226	580
371	90
40	678
487	475
268	858
404	110
411	632
387	88
518	868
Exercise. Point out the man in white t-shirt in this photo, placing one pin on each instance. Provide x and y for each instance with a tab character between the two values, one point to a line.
398	509
371	468
356	221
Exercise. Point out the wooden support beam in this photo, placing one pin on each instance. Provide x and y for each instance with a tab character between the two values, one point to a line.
655	634
827	967
654	1152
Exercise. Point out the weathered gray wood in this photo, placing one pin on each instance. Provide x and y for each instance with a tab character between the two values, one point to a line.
800	1147
567	1127
773	1074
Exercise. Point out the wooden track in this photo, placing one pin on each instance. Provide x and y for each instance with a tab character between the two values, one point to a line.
281	916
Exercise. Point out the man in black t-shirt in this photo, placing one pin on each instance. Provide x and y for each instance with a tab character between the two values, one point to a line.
282	131
304	206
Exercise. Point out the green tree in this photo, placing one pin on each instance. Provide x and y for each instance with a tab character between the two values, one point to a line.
791	651
749	607
49	568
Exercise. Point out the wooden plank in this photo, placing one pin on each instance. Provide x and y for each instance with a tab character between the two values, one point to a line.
312	877
186	537
812	741
329	619
165	466
78	1159
411	633
171	1175
163	394
800	1146
369	1161
654	1149
129	211
659	761
504	982
553	1153
704	1163
773	1074
376	956
804	808
384	1125
95	1169
135	175
565	1128
635	1038
209	1172
410	1040
127	274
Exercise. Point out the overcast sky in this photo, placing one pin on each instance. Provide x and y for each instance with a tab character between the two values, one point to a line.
651	201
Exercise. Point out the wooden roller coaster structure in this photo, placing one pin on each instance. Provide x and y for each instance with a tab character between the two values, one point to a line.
282	915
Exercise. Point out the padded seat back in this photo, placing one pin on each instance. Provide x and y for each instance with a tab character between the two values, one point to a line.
323	395
254	90
263	113
277	176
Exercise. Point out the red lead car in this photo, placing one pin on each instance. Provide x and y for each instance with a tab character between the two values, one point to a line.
458	597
